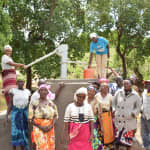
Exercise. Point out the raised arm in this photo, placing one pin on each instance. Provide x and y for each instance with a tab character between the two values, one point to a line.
61	85
113	71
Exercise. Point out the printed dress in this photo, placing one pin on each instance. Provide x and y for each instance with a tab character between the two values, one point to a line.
43	115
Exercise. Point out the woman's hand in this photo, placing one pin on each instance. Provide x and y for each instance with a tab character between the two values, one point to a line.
91	138
6	120
24	67
68	139
46	128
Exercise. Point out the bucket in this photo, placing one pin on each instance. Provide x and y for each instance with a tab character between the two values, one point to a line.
88	73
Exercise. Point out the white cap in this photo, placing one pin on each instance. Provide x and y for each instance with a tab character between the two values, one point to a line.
6	47
93	35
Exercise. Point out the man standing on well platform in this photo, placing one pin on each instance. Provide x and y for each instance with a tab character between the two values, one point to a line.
101	47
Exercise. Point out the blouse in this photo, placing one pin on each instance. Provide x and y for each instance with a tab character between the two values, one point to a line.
20	97
40	111
72	113
105	102
5	60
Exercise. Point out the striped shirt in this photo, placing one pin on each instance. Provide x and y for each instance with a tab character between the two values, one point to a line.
72	113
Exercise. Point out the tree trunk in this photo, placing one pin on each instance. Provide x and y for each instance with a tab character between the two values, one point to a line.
122	55
29	79
139	76
124	66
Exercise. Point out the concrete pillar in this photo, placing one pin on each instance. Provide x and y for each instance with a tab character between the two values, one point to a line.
63	53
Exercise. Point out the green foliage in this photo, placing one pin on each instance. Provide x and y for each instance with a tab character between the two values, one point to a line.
5	29
38	26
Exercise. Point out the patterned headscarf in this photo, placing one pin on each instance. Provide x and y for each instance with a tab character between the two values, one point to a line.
101	80
50	94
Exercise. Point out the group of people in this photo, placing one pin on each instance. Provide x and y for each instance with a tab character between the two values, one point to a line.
38	110
99	121
103	115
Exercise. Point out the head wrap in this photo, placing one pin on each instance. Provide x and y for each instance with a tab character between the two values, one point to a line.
20	77
119	77
81	90
93	35
91	87
133	77
41	81
146	81
129	80
50	95
101	80
104	83
6	47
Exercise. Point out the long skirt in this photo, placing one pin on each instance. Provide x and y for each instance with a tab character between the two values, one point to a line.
79	134
44	141
19	127
106	130
9	81
124	138
96	143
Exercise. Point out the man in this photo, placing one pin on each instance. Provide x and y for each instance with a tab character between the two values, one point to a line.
101	47
126	106
118	85
145	118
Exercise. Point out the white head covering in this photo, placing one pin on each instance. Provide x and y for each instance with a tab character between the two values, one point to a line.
81	90
6	47
93	35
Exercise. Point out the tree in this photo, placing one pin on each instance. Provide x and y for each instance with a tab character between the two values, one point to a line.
124	20
39	26
5	29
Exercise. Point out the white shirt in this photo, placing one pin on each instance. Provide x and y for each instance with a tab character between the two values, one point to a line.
146	105
4	64
72	113
106	102
20	97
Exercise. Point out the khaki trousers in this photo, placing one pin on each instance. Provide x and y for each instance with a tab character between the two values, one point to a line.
101	64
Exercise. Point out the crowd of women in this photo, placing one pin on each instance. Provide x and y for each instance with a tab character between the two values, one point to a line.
102	116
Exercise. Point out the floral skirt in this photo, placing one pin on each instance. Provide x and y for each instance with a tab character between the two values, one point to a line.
124	138
43	141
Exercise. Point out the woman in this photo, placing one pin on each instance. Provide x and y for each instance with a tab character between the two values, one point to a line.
43	115
91	91
79	122
8	71
96	143
18	106
101	47
127	105
103	112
